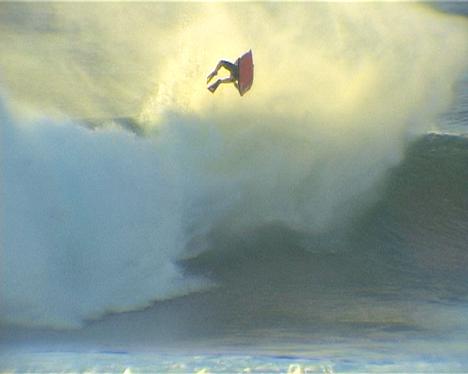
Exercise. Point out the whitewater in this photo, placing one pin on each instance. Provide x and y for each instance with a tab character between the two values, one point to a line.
139	211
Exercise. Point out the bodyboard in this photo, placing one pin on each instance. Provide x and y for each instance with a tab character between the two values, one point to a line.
246	69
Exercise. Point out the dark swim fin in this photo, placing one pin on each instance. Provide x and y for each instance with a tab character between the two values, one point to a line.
214	86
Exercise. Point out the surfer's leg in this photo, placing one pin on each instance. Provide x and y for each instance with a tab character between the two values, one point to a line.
216	84
229	66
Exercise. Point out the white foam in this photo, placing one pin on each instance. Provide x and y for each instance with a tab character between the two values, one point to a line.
95	221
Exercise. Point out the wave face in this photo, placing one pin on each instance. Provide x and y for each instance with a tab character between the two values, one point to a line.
107	221
398	268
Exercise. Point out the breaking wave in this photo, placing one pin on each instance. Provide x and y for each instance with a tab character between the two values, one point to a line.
100	221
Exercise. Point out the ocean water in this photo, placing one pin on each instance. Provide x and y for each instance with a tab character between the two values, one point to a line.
319	224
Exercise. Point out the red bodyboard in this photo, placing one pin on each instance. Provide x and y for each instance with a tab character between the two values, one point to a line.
246	69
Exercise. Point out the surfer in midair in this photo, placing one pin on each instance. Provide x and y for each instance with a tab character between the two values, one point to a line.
233	69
